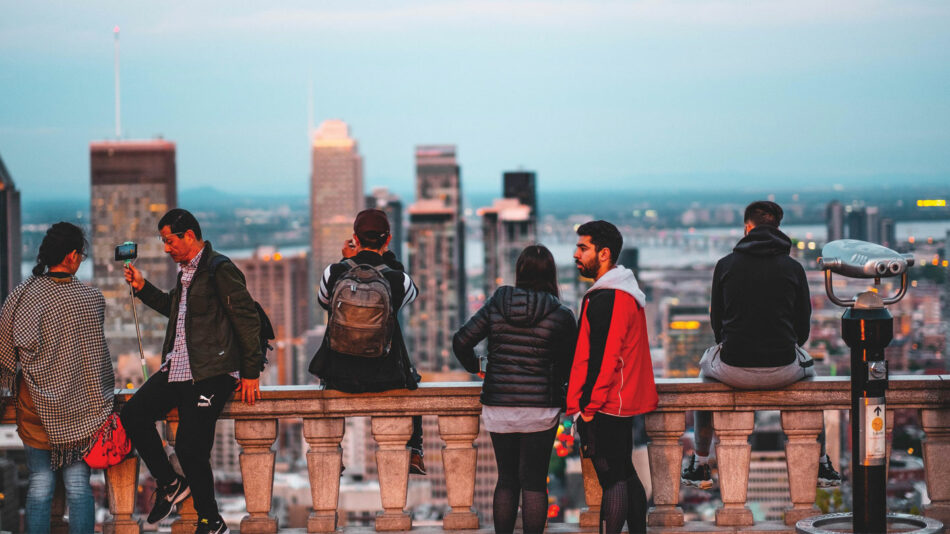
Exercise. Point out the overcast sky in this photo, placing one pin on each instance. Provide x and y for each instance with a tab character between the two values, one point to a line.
590	94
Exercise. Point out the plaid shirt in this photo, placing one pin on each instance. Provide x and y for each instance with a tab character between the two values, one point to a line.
179	367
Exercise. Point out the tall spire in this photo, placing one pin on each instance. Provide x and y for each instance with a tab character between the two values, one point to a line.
118	93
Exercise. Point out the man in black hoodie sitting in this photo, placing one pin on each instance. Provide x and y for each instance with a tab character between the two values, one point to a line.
761	315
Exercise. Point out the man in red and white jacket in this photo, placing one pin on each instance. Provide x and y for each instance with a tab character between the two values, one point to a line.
612	375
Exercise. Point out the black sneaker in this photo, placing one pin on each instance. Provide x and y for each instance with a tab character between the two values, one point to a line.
166	497
697	476
416	465
214	526
827	476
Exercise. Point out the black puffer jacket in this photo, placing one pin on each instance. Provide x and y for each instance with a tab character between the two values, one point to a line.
531	338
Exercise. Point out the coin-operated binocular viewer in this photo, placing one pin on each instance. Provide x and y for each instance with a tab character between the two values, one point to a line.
867	327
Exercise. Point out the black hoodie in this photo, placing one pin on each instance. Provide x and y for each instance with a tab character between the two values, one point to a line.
531	338
760	304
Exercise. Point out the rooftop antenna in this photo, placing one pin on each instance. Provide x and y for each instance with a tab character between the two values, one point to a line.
118	94
309	110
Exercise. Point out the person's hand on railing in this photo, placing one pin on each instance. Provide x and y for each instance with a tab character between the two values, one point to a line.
250	390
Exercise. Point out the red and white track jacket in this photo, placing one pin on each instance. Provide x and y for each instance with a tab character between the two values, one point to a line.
612	372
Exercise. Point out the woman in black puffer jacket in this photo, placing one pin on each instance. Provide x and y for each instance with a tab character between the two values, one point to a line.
531	338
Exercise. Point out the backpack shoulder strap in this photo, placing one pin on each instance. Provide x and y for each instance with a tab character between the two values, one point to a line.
215	262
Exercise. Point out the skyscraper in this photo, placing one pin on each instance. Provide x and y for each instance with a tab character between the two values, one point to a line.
336	196
834	221
686	335
521	185
10	242
382	199
507	228
436	258
133	185
279	284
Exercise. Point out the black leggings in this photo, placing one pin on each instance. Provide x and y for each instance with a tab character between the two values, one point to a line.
522	460
609	442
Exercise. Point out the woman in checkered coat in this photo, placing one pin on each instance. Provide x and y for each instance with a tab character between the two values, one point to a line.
53	356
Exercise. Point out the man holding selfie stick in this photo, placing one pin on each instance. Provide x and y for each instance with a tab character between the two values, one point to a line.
211	348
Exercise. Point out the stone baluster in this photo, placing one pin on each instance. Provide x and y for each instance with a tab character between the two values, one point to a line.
57	524
590	518
801	458
122	484
459	462
733	453
324	461
666	461
256	436
936	426
187	515
392	463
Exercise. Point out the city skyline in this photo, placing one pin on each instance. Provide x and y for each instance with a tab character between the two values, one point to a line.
611	94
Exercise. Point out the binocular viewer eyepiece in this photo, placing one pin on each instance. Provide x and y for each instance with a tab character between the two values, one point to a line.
859	259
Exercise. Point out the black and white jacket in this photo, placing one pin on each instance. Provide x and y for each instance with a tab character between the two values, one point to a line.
355	374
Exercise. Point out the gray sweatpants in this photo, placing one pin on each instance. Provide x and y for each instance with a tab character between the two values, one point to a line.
712	366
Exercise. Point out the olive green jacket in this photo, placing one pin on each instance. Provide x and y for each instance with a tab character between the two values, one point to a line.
222	328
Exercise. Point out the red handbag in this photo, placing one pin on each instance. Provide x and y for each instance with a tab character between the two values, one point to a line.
112	445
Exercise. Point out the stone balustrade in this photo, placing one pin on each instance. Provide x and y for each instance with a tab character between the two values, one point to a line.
458	408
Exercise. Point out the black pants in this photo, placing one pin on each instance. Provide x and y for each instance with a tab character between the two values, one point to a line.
199	406
608	442
522	460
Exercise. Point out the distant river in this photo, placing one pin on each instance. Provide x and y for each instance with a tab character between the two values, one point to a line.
677	247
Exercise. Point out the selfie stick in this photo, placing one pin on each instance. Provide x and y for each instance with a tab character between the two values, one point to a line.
138	334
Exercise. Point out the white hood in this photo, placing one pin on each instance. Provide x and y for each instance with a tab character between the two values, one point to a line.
622	279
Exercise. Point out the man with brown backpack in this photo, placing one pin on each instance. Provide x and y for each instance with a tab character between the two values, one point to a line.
363	349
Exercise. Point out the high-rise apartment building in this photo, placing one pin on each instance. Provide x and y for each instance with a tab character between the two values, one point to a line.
834	221
279	283
686	335
522	185
382	199
336	196
436	258
10	233
133	184
507	228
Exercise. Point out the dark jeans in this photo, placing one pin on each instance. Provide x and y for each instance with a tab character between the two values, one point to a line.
522	460
199	406
608	442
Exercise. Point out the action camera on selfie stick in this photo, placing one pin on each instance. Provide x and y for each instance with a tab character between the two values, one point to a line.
126	252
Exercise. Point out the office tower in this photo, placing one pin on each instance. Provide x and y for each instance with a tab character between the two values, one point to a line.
279	284
336	196
888	232
10	237
521	185
872	224
630	258
834	221
857	227
507	228
133	185
436	258
686	335
382	199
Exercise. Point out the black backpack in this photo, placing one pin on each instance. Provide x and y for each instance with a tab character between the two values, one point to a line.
267	330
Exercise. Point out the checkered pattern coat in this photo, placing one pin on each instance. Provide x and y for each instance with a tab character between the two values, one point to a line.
52	330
